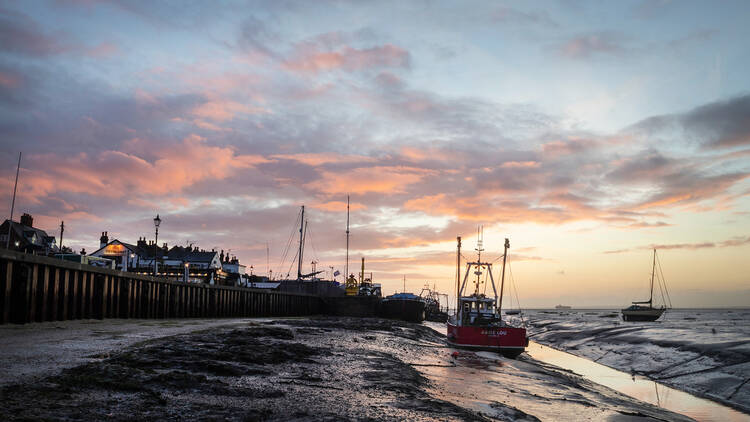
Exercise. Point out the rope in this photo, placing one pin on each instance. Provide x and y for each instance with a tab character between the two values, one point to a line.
518	301
315	252
664	281
285	252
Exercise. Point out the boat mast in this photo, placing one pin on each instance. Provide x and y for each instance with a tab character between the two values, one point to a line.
346	271
13	203
458	271
479	249
502	277
301	230
653	268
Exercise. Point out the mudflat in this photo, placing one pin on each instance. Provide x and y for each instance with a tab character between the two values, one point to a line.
298	369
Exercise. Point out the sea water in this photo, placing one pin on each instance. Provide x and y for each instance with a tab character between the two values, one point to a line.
705	352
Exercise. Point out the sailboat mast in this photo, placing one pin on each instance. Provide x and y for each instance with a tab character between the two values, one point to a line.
346	271
653	268
13	203
458	271
502	277
301	230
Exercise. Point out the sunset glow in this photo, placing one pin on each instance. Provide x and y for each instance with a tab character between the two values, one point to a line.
587	133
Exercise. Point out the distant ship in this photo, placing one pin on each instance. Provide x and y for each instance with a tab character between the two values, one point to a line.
562	307
637	311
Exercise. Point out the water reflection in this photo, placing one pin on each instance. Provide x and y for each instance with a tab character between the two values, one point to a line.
639	387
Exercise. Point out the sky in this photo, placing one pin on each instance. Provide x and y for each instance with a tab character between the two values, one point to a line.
588	133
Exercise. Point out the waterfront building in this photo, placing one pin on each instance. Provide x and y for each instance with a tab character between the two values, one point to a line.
178	263
24	237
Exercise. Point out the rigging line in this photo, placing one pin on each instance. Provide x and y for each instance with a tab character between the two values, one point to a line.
291	264
498	258
310	235
289	241
513	283
664	281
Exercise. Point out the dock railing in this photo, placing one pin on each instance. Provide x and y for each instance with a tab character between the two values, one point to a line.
37	288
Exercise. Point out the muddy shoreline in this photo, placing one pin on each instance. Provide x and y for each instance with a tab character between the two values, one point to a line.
312	369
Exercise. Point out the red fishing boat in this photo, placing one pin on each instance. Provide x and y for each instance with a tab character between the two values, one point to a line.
477	323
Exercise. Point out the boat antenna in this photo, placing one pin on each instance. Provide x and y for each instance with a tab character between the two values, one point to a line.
268	262
404	283
13	203
458	270
479	249
502	277
346	271
301	233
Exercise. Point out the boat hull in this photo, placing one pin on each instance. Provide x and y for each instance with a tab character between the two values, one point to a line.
509	341
641	314
404	309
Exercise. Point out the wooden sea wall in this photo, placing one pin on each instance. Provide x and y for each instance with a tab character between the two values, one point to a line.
36	288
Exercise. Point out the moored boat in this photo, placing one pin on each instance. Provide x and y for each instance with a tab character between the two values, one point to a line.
645	310
477	323
404	306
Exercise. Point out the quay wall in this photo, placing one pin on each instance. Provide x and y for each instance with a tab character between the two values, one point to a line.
37	288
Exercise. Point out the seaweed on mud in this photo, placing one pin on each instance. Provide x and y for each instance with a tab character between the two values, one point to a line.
509	413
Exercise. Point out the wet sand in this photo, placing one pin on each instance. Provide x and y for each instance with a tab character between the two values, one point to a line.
301	369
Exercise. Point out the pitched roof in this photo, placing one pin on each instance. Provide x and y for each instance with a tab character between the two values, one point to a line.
32	235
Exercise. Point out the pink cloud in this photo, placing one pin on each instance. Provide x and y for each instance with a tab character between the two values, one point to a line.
338	206
380	179
224	110
316	159
347	58
117	174
103	50
9	80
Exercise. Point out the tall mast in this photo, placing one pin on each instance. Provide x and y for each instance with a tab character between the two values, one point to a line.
479	249
346	271
458	270
13	203
502	277
301	230
653	268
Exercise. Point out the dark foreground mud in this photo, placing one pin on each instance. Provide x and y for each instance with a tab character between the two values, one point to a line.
308	369
291	370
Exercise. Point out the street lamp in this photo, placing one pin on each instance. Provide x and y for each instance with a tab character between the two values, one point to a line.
157	222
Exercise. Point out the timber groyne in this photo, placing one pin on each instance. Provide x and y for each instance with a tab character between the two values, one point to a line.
37	288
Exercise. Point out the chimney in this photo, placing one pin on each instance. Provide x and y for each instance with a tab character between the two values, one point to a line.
27	220
141	242
103	240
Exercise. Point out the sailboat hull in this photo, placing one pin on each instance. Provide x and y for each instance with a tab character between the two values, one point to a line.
648	314
509	341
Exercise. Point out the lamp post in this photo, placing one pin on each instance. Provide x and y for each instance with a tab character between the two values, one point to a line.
157	222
